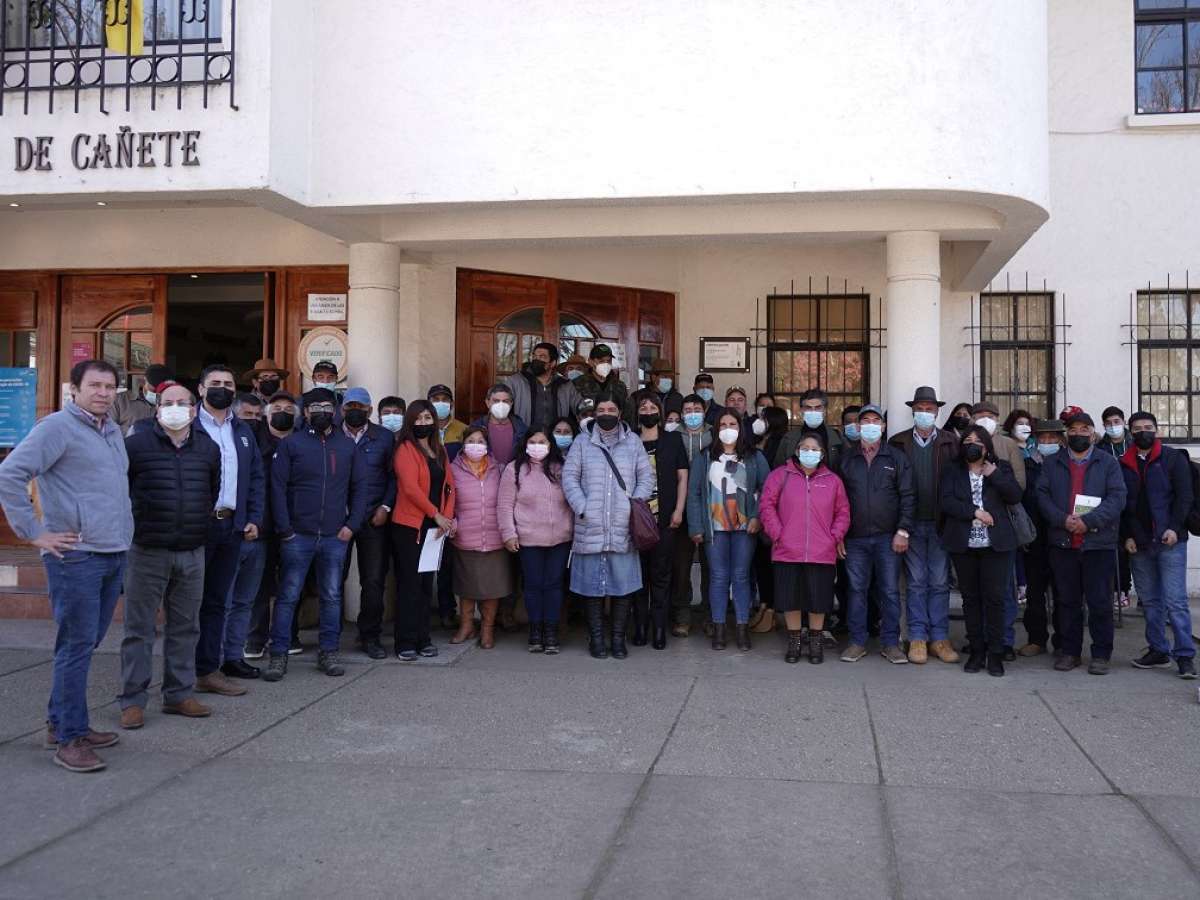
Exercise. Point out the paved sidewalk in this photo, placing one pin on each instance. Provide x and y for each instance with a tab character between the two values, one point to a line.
676	773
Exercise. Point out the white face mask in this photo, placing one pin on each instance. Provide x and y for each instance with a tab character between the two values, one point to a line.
1022	432
728	435
500	409
392	421
174	418
987	423
151	397
759	427
924	419
1116	432
475	451
602	370
672	426
537	451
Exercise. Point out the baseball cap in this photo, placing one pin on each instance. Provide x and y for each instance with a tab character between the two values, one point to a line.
439	389
357	395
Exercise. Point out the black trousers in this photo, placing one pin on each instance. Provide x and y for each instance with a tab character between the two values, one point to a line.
764	576
222	554
681	580
1084	576
1040	607
983	579
413	589
260	615
655	596
374	557
1123	571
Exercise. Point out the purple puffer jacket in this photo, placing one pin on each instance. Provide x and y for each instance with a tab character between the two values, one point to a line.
475	506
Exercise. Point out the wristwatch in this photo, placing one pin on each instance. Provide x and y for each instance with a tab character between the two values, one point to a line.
900	532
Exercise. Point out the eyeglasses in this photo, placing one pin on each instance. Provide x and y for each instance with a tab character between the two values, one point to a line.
320	407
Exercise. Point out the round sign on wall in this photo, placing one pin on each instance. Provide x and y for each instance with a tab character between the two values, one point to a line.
321	343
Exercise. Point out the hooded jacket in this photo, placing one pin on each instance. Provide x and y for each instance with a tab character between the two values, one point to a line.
562	390
601	508
805	516
536	513
1162	488
475	508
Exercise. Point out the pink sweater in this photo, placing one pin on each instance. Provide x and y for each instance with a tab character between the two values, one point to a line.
475	506
537	515
805	517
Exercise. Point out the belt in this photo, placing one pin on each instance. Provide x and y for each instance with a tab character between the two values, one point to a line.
223	512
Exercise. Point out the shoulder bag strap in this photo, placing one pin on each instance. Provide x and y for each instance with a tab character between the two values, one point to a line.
612	465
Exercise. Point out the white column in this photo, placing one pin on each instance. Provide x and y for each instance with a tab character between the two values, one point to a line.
914	318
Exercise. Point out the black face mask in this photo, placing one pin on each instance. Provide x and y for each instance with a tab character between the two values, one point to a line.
607	423
972	452
355	418
320	421
422	431
267	387
283	421
218	397
960	423
649	421
1079	442
538	367
1144	440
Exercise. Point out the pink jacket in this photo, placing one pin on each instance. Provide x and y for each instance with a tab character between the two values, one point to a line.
475	506
538	514
805	517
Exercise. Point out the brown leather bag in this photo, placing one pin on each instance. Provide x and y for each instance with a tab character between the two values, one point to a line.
643	524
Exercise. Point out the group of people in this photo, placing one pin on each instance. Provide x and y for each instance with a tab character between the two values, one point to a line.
219	506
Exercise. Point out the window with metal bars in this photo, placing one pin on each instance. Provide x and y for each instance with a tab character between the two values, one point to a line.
818	340
1016	351
1168	360
1167	56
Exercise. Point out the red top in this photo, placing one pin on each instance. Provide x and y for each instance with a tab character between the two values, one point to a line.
412	504
1078	470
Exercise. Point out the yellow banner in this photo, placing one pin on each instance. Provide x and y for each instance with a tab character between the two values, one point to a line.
125	37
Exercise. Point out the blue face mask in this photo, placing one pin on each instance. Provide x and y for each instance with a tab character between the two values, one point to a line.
851	431
563	440
924	419
813	418
573	373
392	421
665	385
1048	449
810	459
705	394
871	432
693	420
442	408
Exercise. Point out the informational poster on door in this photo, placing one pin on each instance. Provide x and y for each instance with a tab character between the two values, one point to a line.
18	404
80	350
326	307
324	343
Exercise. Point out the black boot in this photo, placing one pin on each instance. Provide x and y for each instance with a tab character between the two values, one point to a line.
995	664
535	637
795	647
595	625
743	637
550	638
718	636
620	619
660	638
640	615
975	660
816	647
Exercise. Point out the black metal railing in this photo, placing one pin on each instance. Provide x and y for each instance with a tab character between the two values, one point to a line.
1164	362
63	49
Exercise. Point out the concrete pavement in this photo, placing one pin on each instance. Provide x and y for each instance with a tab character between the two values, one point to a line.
683	772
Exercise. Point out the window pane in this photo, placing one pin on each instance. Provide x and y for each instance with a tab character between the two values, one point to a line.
647	353
1162	370
528	342
1033	318
1160	91
998	371
529	320
1194	78
25	349
1160	44
843	371
506	353
113	348
141	348
6	348
1162	316
995	317
843	320
794	371
793	320
1163	4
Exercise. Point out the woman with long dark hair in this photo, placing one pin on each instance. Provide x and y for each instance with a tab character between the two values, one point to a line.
722	512
977	531
424	500
537	524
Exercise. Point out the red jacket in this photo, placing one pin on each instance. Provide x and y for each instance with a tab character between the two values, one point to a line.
805	517
412	504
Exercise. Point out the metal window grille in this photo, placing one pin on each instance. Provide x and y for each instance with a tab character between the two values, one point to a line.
62	49
1016	351
1165	357
1166	67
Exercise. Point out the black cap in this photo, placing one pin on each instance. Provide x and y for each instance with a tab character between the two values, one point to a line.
1048	426
1080	416
600	351
702	376
319	395
157	373
325	366
439	389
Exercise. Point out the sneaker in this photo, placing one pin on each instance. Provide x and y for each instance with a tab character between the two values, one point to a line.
1066	662
1123	600
373	648
854	653
894	655
296	648
406	655
428	651
276	667
97	740
1152	659
1021	595
828	639
1098	667
254	651
1187	667
217	683
681	630
1031	650
327	662
77	756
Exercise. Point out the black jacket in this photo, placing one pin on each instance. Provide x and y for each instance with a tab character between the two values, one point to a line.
882	499
318	484
267	443
1000	491
172	489
1159	493
1102	479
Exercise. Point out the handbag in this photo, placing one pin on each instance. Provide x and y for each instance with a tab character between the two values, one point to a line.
1022	525
643	524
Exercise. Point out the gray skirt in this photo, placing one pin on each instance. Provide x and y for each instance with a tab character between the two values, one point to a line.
484	575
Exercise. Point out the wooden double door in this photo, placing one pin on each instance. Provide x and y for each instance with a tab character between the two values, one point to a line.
501	317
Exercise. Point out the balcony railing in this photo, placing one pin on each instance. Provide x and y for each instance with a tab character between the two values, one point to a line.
61	50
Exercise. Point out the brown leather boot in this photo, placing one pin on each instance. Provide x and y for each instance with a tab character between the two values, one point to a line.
918	652
216	683
466	625
97	740
77	756
487	631
131	717
191	707
765	623
943	651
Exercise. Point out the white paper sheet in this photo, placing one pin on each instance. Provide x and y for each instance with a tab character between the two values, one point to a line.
431	551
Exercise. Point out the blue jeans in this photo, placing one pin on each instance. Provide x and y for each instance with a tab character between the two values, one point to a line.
729	557
295	558
1160	575
84	587
252	559
928	568
544	569
866	557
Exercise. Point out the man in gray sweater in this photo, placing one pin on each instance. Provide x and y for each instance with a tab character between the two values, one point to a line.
78	457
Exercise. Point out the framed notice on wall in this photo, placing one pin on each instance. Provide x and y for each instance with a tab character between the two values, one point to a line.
724	354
